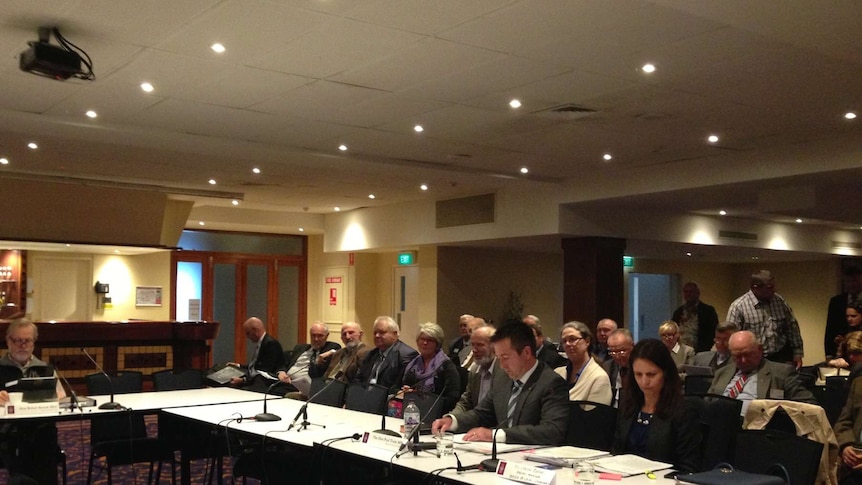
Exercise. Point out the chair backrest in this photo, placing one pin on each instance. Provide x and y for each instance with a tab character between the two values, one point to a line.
122	382
430	407
591	425
174	379
366	398
833	399
333	395
721	421
757	450
697	385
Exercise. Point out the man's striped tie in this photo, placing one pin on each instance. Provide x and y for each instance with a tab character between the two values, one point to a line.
737	388
513	399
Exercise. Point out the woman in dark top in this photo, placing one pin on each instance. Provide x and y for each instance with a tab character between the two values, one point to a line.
853	315
654	420
432	370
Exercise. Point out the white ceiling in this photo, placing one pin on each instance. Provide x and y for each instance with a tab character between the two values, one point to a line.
300	77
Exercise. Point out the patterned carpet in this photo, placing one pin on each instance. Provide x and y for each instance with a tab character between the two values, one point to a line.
74	440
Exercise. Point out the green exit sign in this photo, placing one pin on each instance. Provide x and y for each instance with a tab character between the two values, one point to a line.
628	262
407	258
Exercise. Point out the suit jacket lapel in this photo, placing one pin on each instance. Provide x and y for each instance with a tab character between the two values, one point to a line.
525	393
764	378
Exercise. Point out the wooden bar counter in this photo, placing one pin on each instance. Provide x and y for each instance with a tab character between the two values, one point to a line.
144	346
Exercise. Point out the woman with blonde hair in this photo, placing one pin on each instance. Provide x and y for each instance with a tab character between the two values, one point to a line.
681	353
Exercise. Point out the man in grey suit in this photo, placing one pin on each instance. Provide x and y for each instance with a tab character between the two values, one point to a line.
482	370
750	376
718	358
528	401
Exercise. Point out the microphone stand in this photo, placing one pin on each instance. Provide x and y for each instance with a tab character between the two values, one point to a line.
111	404
490	464
265	416
303	411
73	398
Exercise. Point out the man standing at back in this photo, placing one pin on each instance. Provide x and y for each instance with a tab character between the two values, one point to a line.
696	319
385	364
528	401
267	356
765	313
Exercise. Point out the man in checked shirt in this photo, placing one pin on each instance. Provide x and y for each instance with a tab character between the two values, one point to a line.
767	315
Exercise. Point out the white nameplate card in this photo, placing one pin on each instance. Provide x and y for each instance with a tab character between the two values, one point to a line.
383	441
30	408
526	473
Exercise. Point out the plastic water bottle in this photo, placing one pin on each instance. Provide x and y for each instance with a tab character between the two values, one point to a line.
411	418
585	474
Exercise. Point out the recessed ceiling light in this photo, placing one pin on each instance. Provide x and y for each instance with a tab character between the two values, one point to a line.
147	87
515	103
343	148
91	114
524	170
201	223
799	221
418	129
722	213
68	245
212	182
4	161
234	202
688	254
648	68
301	230
607	157
255	170
32	145
712	138
337	209
371	196
755	258
850	115
116	251
218	48
423	187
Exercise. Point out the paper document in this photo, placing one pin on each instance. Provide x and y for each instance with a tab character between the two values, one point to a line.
627	465
484	447
224	375
571	453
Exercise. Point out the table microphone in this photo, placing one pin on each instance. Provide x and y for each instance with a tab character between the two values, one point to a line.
414	433
73	398
303	411
111	404
490	464
265	416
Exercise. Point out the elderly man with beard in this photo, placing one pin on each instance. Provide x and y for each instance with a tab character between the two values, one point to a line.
345	362
481	371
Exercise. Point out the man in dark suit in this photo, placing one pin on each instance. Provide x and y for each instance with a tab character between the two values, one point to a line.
345	362
528	401
546	351
482	370
385	364
696	319
847	432
751	376
718	358
836	319
620	345
267	356
298	373
463	340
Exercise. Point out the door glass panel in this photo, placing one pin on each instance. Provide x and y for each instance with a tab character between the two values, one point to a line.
255	296
224	311
288	306
189	287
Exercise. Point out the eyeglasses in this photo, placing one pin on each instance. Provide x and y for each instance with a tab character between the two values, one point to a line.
614	353
668	336
22	341
572	340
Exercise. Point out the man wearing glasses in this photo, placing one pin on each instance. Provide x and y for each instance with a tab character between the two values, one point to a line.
767	315
28	447
620	345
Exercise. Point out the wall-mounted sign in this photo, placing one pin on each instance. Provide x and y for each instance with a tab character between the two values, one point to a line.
406	258
628	261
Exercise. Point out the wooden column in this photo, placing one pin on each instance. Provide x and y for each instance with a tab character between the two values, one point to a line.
593	286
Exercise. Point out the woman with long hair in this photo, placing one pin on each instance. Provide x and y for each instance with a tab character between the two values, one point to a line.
853	314
654	421
587	380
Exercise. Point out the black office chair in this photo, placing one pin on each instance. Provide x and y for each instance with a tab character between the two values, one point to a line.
720	422
178	379
333	395
835	396
758	450
366	398
121	438
697	385
591	425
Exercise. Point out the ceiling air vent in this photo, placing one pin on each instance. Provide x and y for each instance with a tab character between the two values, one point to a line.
745	236
846	245
566	112
464	211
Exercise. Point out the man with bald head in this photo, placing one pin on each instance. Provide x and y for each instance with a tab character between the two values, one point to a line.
267	356
385	364
297	377
344	363
751	376
603	331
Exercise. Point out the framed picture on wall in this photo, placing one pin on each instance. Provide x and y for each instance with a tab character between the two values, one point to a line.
148	296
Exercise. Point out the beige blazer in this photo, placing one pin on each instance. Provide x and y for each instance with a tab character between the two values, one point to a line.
593	385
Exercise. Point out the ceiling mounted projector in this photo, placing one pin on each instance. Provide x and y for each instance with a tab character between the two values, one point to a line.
58	62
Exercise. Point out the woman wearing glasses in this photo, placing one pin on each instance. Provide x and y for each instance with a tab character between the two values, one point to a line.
587	380
681	353
655	422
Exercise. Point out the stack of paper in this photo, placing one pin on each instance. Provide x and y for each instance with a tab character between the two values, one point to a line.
627	465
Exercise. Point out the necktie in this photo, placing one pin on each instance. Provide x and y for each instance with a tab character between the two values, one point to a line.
513	399
253	362
737	388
